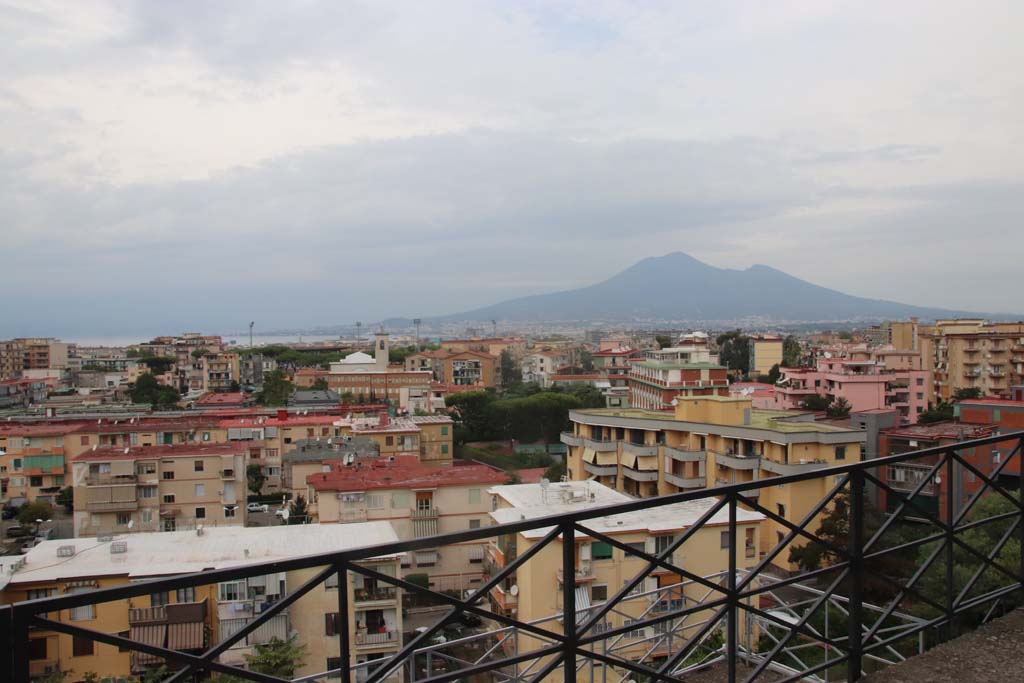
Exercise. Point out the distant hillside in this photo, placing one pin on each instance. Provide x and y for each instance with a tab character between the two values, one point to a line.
678	286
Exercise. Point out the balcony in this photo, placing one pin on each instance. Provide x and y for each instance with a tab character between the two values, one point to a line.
178	613
601	445
972	374
969	600
424	513
227	474
584	572
738	462
640	475
277	627
111	480
570	439
43	667
376	640
639	449
685	482
379	594
503	599
996	373
683	455
601	470
112	506
792	468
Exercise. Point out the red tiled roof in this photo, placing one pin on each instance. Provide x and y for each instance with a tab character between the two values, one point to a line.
1002	402
176	451
45	429
531	475
613	352
406	472
214	399
590	376
940	430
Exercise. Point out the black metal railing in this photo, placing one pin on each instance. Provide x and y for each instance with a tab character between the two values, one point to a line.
735	595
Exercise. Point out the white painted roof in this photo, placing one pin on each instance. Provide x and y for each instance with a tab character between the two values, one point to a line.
357	358
152	554
529	501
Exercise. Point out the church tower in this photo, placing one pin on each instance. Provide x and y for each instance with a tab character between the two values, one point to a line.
381	349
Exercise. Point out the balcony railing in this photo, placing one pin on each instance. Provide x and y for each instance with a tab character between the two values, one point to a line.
738	462
601	445
639	448
952	550
379	594
684	455
110	479
570	439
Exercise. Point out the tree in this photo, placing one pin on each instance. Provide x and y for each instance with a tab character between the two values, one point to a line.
66	498
967	393
276	389
815	402
555	472
840	408
255	478
234	386
942	412
199	353
29	513
471	410
791	352
587	360
158	365
147	390
734	351
298	511
588	395
510	370
280	658
663	341
774	374
348	397
320	384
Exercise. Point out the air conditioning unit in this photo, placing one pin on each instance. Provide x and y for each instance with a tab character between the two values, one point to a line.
118	547
104	537
66	551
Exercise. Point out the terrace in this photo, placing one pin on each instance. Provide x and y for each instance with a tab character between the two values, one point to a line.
744	621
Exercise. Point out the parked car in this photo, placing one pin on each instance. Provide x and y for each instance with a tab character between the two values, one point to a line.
257	507
9	513
18	531
469	619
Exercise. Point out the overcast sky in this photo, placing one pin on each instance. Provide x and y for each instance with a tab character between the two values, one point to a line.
173	165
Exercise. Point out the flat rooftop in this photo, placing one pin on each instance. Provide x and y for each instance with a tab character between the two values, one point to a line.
773	420
151	554
530	501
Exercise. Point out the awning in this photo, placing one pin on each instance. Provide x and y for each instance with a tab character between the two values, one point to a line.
582	601
149	634
476	552
628	460
426	557
607	459
187	636
647	462
589	455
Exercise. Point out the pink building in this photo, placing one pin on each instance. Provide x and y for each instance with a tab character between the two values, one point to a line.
762	395
865	384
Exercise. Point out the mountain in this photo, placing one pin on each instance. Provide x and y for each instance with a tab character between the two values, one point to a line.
679	287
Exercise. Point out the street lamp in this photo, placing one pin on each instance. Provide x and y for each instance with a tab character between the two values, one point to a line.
250	334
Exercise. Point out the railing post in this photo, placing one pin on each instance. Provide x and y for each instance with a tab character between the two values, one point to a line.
344	636
732	643
19	646
854	667
6	636
569	601
950	534
1020	492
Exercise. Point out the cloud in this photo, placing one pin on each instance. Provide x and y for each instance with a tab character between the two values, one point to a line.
182	164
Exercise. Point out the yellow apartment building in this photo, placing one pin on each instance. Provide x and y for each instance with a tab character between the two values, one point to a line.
711	441
534	594
973	354
419	501
196	618
159	488
765	351
220	370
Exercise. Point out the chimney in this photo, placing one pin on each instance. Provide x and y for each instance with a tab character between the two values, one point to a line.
384	419
282	414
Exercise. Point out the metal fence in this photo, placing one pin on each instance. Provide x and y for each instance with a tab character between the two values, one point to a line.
570	644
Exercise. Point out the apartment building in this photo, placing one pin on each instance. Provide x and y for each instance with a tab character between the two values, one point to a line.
418	501
534	593
670	373
32	460
370	378
614	365
23	392
973	354
312	456
765	352
221	371
864	384
159	488
458	368
710	441
183	350
196	618
540	365
489	345
34	353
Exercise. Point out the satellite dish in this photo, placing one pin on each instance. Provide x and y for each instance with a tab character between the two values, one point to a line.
514	590
131	524
285	514
544	482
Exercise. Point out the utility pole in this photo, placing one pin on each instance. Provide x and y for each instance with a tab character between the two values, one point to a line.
250	334
416	322
359	333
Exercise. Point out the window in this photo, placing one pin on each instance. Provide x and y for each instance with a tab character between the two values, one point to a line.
168	475
85	612
600	550
231	591
169	498
16	464
374	501
444	431
147	492
35	481
159	599
206	436
661	543
781	510
474	496
84	441
82	647
332	623
638	546
474	524
400	499
599	592
920	381
726	539
146	516
200	489
635	633
145	468
185	594
229	511
197	465
389	441
444	448
37	648
334	664
840	452
200	513
123	518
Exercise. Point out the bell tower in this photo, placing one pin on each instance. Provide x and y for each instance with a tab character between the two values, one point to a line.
381	349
